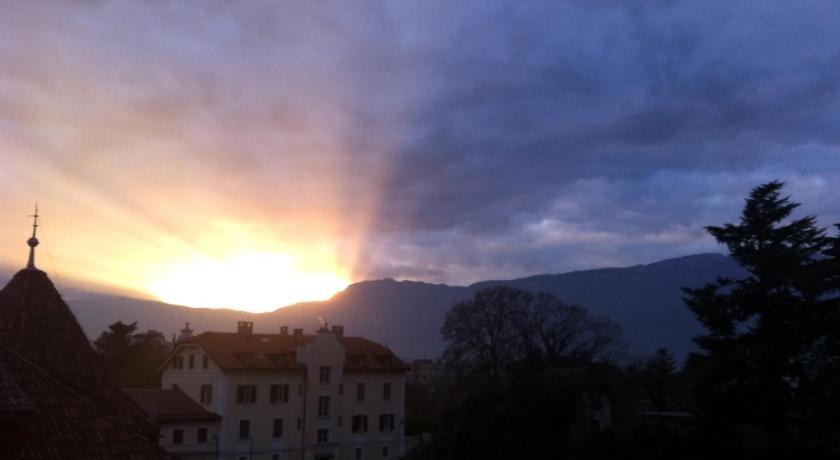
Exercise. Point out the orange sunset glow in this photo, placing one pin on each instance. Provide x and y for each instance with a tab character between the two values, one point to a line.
154	229
175	181
200	249
259	281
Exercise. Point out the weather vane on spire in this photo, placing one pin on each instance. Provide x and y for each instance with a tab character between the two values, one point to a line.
33	241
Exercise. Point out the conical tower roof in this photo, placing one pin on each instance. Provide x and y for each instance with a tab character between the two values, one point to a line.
36	324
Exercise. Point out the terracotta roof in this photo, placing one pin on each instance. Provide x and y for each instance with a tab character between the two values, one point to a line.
59	422
232	351
170	406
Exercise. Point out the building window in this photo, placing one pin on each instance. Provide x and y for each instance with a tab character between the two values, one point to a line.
246	394
341	388
386	392
323	436
206	394
248	360
174	362
359	454
360	424
178	363
279	360
300	389
323	406
177	436
279	393
192	361
324	377
386	422
385	451
277	428
205	362
202	435
360	391
244	429
275	456
340	419
299	424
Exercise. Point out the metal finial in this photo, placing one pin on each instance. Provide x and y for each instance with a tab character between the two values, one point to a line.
33	241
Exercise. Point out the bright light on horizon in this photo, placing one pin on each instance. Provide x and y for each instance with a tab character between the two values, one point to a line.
255	282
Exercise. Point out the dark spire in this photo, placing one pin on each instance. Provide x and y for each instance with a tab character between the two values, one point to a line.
33	241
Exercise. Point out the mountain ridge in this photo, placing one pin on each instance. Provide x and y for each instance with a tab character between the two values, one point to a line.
646	299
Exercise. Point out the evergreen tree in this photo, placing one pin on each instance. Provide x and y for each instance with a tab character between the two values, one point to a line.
770	355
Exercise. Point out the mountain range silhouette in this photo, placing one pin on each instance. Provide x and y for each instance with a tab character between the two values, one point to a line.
407	315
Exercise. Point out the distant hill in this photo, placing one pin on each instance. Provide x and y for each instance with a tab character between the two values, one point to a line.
645	299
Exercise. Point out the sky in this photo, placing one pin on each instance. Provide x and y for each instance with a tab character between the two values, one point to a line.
223	146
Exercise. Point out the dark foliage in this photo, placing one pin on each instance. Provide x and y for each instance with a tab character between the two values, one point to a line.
770	361
132	358
536	414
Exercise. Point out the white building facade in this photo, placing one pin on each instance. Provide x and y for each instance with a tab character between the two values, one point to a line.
295	396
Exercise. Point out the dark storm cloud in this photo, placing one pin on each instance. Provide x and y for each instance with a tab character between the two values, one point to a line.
640	114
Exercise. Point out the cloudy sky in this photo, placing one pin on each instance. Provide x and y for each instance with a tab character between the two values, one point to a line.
438	141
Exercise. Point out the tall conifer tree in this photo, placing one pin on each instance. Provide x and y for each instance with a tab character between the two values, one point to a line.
770	355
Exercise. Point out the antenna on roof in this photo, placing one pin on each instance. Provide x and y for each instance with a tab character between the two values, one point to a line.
33	241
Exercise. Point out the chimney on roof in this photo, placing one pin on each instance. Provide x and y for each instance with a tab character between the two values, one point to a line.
284	330
245	328
298	331
338	331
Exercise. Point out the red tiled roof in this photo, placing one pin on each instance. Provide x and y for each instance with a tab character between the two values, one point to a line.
59	422
233	351
170	406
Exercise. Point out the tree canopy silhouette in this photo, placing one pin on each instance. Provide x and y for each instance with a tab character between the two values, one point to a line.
502	329
132	357
771	354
